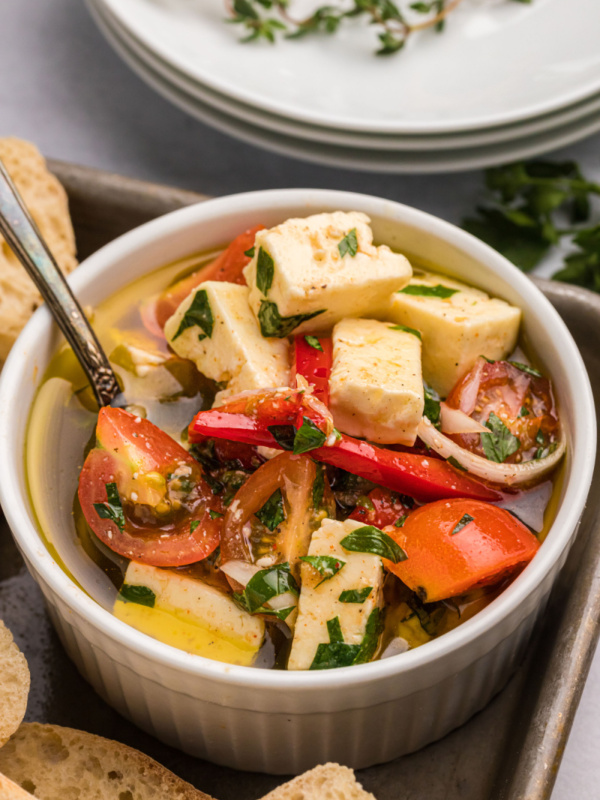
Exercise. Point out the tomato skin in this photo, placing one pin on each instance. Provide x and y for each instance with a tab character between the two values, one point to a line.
227	266
441	564
381	508
508	392
314	364
137	456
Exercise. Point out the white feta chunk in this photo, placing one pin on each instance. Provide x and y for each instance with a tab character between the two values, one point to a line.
376	385
320	601
307	274
215	328
456	328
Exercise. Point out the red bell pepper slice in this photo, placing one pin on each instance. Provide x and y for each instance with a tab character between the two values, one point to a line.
252	419
312	359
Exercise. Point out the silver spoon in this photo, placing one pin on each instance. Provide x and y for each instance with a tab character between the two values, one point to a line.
25	240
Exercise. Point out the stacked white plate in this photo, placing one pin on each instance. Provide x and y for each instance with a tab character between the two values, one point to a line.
505	81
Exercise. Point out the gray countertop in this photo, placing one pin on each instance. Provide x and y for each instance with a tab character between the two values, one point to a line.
64	89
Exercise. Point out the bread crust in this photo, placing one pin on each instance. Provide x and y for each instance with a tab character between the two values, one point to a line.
325	782
14	685
11	791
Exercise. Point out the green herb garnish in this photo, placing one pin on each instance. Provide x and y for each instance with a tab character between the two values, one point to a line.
451	460
400	521
355	595
431	408
535	373
500	443
250	252
272	513
370	640
349	244
422	290
273	324
112	508
282	614
524	412
195	522
326	566
141	595
406	329
213	515
284	435
199	315
308	437
264	586
318	487
334	629
312	341
265	269
369	539
462	523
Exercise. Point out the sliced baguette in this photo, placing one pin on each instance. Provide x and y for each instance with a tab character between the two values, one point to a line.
326	782
55	763
11	791
47	201
14	685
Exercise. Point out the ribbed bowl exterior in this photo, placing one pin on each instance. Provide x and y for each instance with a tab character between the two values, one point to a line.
263	731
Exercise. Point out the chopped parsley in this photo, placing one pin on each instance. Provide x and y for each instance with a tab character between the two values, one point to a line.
326	566
273	324
199	314
406	329
349	244
339	654
112	508
422	290
141	595
355	595
369	539
313	342
265	269
500	443
462	523
272	513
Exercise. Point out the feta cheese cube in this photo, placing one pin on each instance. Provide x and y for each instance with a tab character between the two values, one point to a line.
376	385
320	601
456	328
191	615
215	328
307	274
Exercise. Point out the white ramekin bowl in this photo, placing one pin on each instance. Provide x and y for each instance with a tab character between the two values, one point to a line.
275	721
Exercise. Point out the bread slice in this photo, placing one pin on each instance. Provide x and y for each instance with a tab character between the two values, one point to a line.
55	763
326	782
47	201
10	790
14	685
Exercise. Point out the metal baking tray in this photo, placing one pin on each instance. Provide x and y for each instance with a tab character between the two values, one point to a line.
509	751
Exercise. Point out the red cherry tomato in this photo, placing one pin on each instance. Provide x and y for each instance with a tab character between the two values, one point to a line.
380	508
227	266
524	402
313	363
453	546
145	497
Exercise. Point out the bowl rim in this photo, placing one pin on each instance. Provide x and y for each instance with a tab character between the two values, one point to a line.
15	502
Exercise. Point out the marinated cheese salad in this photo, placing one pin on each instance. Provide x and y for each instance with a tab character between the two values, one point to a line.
365	462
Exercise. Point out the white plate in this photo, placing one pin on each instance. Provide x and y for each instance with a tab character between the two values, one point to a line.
337	156
294	128
497	62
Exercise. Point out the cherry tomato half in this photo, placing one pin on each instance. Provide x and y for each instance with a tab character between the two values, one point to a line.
381	507
145	497
453	546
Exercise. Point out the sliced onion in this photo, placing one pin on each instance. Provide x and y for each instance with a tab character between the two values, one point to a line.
240	571
280	601
456	421
505	474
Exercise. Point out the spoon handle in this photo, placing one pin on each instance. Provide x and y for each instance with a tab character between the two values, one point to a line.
25	240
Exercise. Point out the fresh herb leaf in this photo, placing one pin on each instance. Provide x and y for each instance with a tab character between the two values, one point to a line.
312	341
282	613
432	408
232	480
250	252
334	655
370	640
195	522
265	269
370	539
462	523
326	566
349	244
422	290
339	654
273	324
199	314
284	435
141	595
212	514
527	369
265	585
400	521
405	329
308	437
355	595
500	443
451	460
112	508
272	513
318	487
334	629
540	438
524	412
